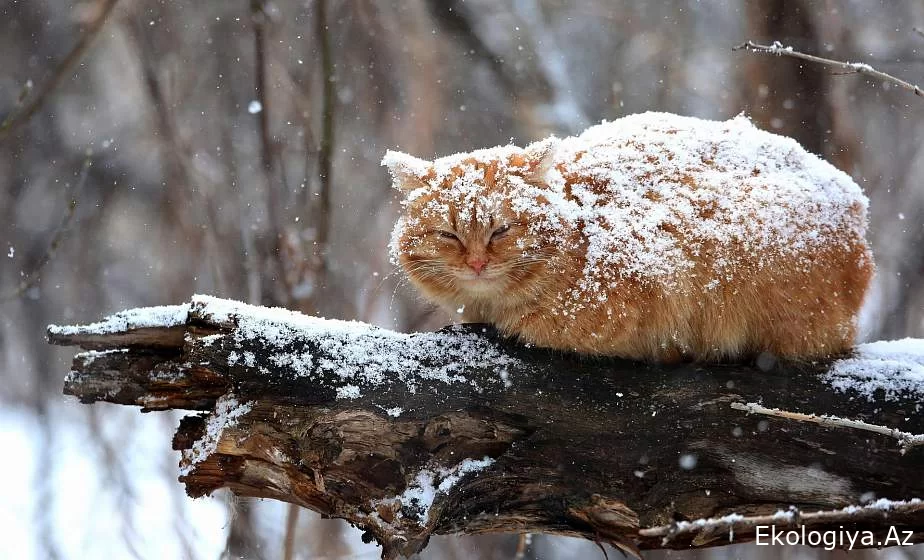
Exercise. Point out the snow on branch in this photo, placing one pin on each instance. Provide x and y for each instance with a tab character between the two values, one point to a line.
777	48
905	440
460	431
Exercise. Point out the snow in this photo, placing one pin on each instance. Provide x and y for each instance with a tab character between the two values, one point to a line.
405	163
89	514
860	66
895	367
360	354
348	392
789	515
142	317
89	356
882	504
420	494
711	523
626	185
228	412
254	107
688	461
906	440
785	515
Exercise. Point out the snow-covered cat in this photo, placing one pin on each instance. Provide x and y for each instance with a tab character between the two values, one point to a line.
653	237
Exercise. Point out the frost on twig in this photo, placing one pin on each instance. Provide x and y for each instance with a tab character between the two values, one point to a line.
790	517
777	48
905	440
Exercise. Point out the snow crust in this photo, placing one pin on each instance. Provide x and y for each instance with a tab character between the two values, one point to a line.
896	367
228	411
652	192
142	317
362	355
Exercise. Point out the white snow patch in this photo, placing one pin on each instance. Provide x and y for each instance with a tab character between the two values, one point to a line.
228	412
882	504
710	522
790	514
254	107
210	339
894	366
142	317
785	515
421	493
89	356
348	392
394	411
359	353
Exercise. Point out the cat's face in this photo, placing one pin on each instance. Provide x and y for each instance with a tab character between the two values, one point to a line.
463	238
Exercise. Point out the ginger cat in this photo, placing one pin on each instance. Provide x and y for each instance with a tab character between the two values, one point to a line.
653	237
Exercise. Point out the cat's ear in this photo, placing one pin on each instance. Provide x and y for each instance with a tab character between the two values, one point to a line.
540	156
407	172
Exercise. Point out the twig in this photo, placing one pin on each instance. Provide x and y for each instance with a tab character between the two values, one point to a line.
522	543
849	67
33	277
291	524
312	273
261	19
783	518
18	118
260	16
327	127
906	440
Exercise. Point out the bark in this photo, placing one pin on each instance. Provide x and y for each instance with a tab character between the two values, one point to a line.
370	426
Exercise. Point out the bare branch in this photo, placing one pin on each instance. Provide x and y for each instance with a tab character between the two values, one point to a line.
325	153
777	48
906	440
18	118
288	543
732	524
32	278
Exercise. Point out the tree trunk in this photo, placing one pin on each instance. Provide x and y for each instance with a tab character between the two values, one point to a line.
460	432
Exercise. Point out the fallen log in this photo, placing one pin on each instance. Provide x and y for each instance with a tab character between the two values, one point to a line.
462	432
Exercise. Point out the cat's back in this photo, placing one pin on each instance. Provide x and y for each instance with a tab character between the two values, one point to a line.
655	193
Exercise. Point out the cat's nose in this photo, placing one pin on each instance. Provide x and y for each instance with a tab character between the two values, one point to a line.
477	264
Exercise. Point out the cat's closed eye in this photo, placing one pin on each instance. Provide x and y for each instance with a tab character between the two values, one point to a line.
447	235
499	232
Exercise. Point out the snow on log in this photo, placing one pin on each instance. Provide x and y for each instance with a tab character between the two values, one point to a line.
459	431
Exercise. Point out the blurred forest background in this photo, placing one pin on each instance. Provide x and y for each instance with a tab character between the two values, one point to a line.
152	149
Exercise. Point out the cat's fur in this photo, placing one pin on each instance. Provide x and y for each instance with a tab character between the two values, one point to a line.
653	237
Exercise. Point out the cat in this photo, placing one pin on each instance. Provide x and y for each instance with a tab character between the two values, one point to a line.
652	237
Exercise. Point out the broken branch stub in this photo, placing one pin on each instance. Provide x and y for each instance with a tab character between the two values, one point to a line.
461	432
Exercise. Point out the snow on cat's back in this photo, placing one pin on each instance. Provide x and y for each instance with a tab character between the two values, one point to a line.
653	237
